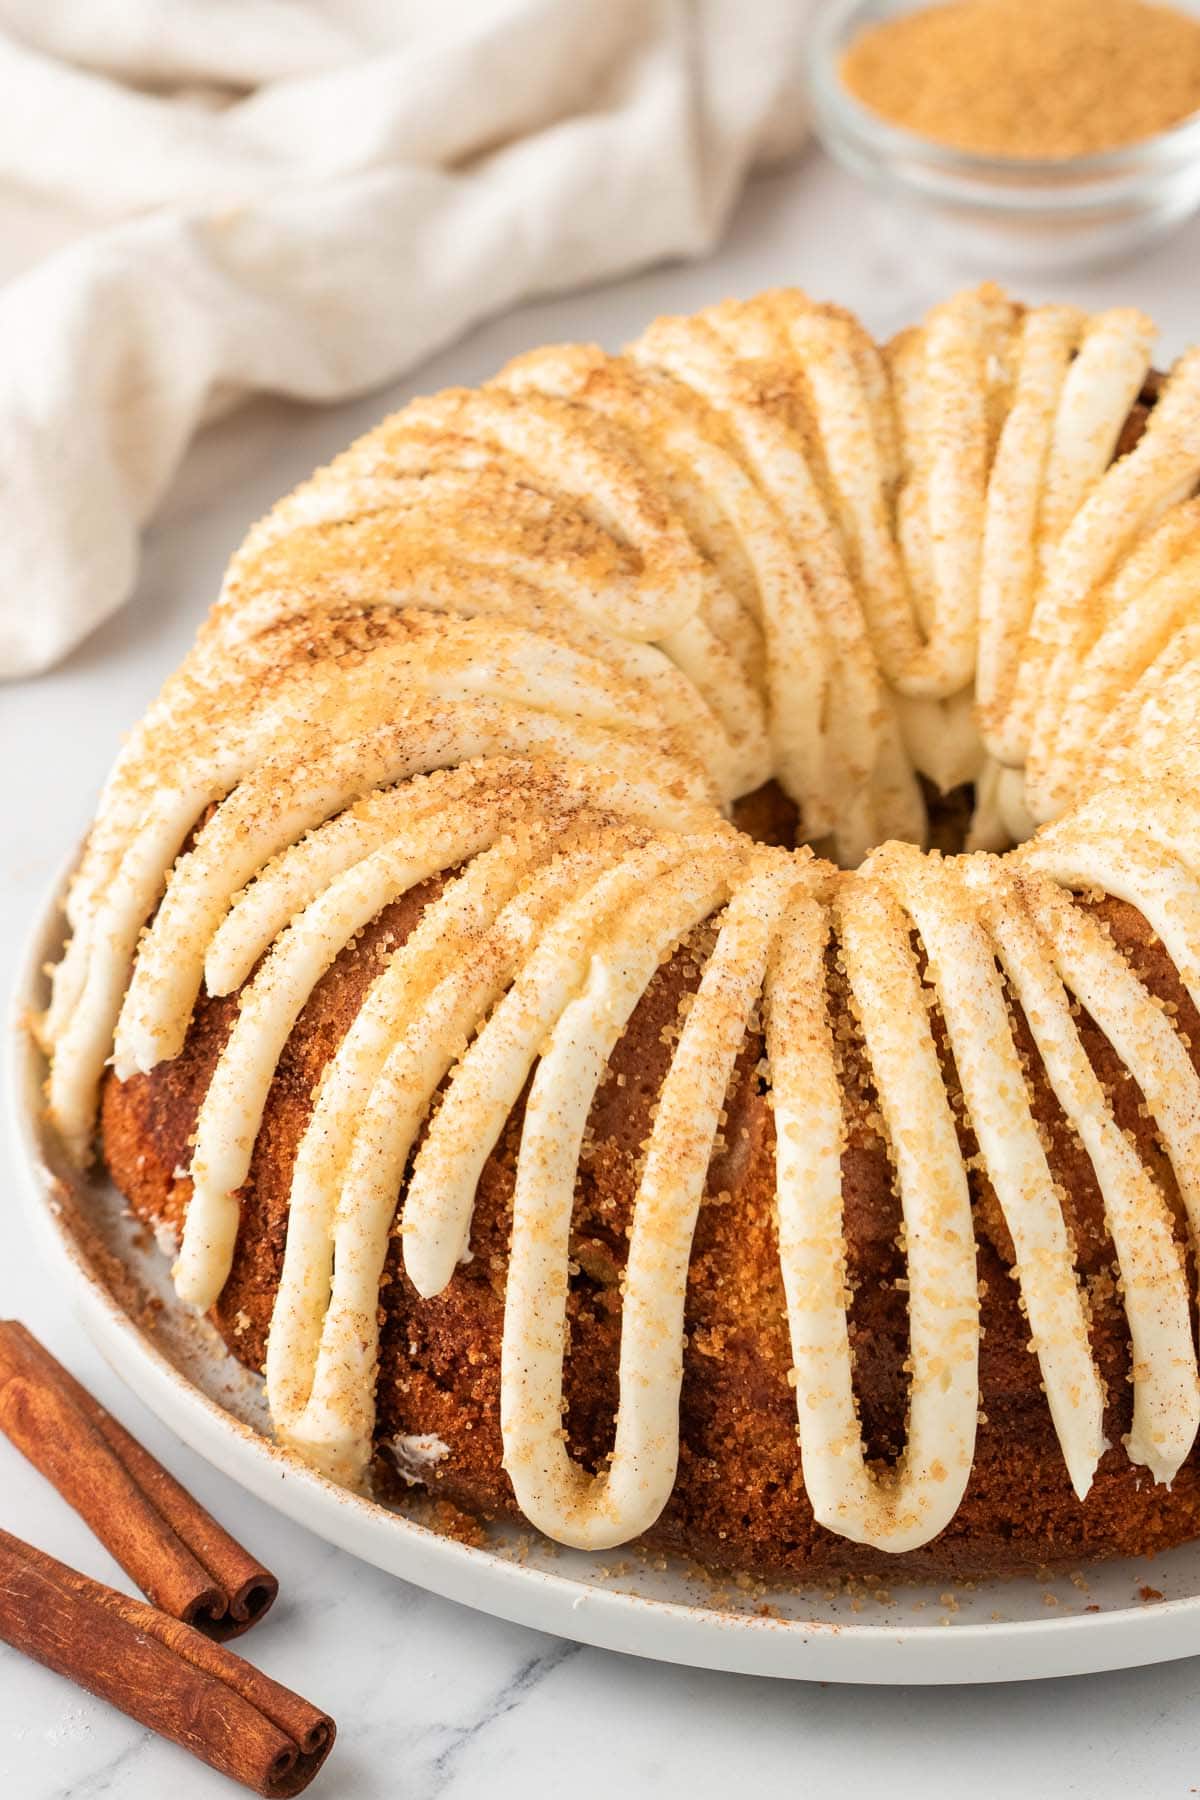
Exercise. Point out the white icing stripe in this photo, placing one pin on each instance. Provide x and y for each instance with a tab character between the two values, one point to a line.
1016	496
796	654
269	811
310	868
85	1033
819	662
448	735
904	1510
1140	1032
1160	470
809	1141
1162	742
1170	817
704	657
232	1109
445	930
954	400
97	867
905	367
962	966
1140	734
528	640
194	767
1134	868
678	452
571	448
300	873
1154	1291
485	520
1128	645
334	1424
555	1493
850	419
445	564
1101	385
441	1193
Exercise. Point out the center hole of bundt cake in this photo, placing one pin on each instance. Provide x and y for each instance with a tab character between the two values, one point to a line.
770	817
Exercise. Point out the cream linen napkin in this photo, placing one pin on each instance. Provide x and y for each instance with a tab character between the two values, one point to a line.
204	198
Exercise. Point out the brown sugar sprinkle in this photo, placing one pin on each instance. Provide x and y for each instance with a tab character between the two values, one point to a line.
1030	78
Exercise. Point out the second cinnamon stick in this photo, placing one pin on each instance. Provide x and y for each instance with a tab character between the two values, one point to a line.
161	1672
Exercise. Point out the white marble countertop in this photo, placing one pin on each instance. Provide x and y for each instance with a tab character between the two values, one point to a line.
434	1700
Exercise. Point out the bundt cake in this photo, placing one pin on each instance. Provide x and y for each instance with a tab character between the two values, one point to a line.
650	955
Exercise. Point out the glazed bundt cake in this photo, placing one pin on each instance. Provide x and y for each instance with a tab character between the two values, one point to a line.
529	1000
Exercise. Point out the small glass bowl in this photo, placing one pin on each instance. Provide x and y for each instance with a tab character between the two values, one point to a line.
996	211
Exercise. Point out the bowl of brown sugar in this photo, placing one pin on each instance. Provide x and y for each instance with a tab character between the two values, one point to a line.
1026	133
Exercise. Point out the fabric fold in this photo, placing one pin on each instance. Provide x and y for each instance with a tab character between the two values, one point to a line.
317	231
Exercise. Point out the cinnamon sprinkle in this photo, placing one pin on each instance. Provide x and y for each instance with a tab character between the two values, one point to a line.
1030	78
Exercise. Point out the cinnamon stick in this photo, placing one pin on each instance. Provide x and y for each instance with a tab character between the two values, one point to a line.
161	1672
183	1561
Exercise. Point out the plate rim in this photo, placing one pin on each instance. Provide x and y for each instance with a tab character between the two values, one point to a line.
679	1632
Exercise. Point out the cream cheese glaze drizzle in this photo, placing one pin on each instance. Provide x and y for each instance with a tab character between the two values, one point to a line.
526	646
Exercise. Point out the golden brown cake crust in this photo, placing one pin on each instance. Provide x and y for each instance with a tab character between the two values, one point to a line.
739	1499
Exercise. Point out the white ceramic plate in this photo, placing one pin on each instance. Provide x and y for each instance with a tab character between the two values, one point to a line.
1113	1616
